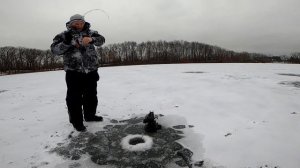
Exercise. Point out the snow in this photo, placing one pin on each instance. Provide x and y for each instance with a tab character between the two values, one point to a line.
147	144
246	115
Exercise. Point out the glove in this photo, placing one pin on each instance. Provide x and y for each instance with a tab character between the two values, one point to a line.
68	38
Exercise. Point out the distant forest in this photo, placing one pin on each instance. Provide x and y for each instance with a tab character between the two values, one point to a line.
21	60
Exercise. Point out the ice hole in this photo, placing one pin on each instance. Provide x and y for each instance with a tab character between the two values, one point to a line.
136	140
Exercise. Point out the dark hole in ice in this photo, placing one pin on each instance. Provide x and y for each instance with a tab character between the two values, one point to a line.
135	141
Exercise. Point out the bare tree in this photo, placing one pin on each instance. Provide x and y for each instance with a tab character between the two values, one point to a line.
295	58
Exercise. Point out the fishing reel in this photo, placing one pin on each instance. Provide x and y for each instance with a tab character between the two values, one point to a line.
77	40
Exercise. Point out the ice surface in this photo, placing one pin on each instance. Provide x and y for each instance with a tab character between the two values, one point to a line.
246	115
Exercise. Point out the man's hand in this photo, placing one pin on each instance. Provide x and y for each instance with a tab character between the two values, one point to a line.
86	41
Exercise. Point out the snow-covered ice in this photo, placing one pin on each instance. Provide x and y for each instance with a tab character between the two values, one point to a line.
246	115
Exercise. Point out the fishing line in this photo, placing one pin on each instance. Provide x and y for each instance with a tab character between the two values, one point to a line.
103	11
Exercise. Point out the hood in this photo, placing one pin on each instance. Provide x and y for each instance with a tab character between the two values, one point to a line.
86	26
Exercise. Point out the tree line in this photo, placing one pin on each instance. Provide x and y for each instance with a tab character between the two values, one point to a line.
20	60
163	52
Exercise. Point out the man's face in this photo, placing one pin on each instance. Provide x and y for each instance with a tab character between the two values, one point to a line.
77	25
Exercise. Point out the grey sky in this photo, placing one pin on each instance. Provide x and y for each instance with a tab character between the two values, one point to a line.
264	26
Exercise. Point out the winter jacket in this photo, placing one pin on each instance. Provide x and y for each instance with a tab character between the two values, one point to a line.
83	59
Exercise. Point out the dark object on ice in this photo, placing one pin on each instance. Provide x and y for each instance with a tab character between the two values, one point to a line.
179	127
289	74
151	125
199	163
291	83
1	91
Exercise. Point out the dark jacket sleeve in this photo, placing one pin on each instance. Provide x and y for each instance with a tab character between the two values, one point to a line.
58	47
98	39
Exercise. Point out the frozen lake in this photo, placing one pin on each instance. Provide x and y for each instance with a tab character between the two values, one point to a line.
248	115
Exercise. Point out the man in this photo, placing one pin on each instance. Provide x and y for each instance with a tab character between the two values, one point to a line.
77	45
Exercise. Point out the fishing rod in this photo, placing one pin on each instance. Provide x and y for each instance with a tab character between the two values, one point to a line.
107	15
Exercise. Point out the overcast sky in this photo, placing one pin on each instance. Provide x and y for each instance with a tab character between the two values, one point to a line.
264	26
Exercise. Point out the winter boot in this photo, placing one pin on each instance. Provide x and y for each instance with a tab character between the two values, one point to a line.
79	127
93	118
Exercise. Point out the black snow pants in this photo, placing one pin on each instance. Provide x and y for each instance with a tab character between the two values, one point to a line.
81	95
